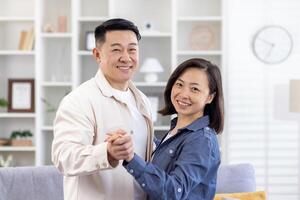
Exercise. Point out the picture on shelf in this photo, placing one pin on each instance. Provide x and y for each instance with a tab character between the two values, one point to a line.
21	95
89	40
202	37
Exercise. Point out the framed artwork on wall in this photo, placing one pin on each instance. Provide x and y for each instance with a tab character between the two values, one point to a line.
20	95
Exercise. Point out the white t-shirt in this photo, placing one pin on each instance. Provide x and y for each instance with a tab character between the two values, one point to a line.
139	134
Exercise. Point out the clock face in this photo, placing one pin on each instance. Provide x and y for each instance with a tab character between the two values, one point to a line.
272	44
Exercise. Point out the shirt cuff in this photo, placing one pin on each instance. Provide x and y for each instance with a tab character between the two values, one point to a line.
100	153
136	166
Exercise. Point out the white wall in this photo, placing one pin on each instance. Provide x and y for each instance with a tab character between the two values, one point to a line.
260	128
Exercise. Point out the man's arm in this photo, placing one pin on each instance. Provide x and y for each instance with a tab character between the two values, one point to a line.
73	151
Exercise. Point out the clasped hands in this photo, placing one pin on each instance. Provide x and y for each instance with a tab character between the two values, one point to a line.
119	147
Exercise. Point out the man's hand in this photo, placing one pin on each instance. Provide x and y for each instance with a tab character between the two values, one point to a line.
120	147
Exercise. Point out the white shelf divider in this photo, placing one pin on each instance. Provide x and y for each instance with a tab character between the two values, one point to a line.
56	35
16	53
14	148
17	19
191	52
57	84
17	115
208	18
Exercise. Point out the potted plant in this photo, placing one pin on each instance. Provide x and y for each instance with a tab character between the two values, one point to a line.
21	138
3	103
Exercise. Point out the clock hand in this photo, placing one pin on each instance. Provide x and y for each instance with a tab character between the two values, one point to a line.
270	50
265	41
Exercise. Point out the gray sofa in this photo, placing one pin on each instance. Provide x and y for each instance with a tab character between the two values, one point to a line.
46	183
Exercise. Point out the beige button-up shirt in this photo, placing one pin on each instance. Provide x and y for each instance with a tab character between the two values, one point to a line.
78	149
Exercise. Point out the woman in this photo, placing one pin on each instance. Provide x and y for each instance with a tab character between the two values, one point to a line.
185	163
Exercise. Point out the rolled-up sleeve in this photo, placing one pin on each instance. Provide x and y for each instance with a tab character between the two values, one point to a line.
73	151
191	167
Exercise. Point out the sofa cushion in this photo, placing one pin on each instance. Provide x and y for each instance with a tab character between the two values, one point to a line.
260	195
31	183
236	178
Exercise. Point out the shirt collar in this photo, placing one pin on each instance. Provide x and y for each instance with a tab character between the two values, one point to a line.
107	90
194	126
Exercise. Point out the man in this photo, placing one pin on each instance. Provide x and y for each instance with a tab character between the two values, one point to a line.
107	103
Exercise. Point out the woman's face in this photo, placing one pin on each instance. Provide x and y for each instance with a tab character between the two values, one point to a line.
190	93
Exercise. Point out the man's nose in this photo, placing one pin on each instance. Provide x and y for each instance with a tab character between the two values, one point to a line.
125	57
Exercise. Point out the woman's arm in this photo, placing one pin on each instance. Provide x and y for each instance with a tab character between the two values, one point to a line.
191	166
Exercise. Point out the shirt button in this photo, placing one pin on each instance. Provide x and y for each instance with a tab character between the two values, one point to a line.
143	184
131	171
207	128
179	190
171	151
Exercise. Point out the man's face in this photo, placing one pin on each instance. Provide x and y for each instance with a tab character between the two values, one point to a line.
118	57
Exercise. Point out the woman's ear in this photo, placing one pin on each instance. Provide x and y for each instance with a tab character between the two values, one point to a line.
210	98
96	55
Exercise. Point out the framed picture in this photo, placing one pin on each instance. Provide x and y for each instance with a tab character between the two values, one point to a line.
89	40
20	95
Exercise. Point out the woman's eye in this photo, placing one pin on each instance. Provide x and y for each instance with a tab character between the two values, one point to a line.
194	89
178	84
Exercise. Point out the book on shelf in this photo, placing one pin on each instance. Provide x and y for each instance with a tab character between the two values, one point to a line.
26	39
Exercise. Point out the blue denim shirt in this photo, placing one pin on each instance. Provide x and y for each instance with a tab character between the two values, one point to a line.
183	167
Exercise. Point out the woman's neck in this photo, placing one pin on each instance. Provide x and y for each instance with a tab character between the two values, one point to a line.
184	121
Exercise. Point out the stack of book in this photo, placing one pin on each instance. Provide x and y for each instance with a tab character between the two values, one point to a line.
26	40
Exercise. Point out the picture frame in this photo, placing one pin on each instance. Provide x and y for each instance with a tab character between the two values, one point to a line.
89	40
21	95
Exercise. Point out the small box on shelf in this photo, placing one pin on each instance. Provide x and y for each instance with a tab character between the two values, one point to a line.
21	142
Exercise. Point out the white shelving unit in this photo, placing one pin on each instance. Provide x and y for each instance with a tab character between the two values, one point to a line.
16	16
60	62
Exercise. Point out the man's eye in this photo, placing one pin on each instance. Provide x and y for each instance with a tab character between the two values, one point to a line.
132	50
116	50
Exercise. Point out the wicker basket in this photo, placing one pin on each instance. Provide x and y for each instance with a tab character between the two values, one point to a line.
21	142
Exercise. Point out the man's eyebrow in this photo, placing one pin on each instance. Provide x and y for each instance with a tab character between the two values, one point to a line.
118	44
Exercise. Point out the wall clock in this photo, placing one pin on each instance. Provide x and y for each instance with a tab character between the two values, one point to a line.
272	44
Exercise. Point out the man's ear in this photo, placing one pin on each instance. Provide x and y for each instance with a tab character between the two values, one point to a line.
96	55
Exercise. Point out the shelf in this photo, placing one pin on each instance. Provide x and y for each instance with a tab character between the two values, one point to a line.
182	53
57	84
210	18
155	84
11	148
161	128
16	53
56	35
16	19
17	115
155	34
92	19
47	128
85	53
